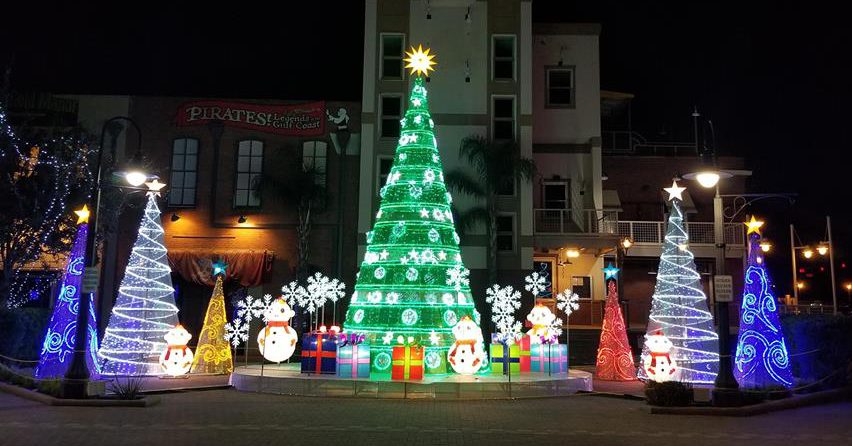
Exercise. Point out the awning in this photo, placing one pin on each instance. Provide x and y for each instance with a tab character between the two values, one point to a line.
246	266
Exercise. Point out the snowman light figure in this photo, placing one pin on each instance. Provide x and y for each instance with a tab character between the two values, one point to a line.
277	340
659	363
465	356
541	319
176	359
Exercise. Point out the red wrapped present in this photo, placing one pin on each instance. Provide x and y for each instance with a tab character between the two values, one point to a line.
524	344
407	362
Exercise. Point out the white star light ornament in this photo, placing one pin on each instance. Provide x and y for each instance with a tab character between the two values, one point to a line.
675	191
155	186
419	61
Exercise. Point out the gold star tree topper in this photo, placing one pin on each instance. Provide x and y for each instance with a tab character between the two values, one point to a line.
155	186
83	214
419	61
754	225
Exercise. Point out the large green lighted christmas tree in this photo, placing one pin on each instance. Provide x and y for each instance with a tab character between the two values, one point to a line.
412	282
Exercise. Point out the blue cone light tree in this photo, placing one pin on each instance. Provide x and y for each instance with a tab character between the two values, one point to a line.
761	359
58	348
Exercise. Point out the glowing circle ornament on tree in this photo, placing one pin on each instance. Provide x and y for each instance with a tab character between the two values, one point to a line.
213	354
466	354
412	281
277	340
58	347
176	359
145	308
679	307
761	358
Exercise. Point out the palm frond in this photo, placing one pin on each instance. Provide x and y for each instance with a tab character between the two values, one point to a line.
476	215
462	182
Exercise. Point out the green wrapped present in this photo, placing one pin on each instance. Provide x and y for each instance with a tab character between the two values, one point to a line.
505	359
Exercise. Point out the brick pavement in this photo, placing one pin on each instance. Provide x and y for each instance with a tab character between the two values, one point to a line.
231	417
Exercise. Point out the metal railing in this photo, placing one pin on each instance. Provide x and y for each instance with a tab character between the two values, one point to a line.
806	309
629	142
700	233
566	221
600	221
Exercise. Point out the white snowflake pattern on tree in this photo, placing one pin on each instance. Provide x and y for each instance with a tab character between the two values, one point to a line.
458	277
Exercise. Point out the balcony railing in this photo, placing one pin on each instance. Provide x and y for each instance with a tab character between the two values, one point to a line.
600	221
567	221
700	233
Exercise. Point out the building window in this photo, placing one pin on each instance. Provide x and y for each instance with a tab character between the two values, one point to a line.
391	115
504	57
384	166
315	157
184	172
503	125
249	169
555	195
582	285
506	233
560	87
392	55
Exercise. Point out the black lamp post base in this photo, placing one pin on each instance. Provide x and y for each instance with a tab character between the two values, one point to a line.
74	389
727	397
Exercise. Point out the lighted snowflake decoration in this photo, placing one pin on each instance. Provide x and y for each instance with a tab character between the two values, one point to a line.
555	328
393	178
392	298
428	256
402	156
504	301
236	332
458	277
294	294
415	191
449	197
536	283
448	299
371	257
435	158
434	339
374	297
249	308
429	176
317	292
387	338
438	214
404	140
568	301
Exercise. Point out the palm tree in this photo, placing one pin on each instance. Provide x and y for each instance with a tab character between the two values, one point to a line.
302	185
497	166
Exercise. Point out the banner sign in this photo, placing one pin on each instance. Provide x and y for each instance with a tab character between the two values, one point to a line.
306	119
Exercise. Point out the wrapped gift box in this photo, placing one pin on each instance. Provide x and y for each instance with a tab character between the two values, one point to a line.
549	358
319	353
407	362
524	346
435	361
353	361
505	359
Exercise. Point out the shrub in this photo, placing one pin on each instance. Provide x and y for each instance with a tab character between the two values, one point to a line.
49	387
819	349
126	387
668	394
22	332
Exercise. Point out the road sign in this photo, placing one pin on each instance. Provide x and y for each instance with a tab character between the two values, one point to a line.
91	279
723	288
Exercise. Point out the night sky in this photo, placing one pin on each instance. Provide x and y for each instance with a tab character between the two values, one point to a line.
773	76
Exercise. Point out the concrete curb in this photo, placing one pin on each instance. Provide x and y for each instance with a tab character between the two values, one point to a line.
32	395
811	399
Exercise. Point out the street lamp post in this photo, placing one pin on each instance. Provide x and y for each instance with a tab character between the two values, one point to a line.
76	381
823	248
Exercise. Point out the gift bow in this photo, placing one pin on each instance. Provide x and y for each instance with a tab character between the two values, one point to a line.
351	339
549	339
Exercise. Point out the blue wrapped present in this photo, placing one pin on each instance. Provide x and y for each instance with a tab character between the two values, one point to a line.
319	353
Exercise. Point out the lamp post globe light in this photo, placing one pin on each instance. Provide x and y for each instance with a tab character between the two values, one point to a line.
75	383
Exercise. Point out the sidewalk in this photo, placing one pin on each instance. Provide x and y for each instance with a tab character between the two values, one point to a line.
632	388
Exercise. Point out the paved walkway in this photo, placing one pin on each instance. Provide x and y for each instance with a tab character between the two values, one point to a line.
234	418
